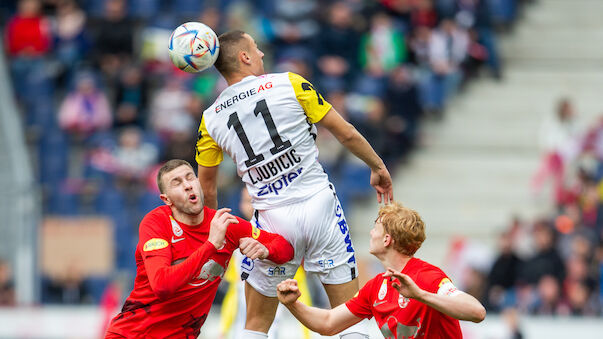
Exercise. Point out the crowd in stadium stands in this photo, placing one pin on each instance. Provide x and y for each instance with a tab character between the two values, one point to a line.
103	106
554	265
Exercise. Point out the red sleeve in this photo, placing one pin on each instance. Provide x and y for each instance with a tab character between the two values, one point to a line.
279	249
430	278
360	304
165	278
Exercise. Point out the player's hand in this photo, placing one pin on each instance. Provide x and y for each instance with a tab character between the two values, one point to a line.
253	249
218	226
381	180
404	284
287	291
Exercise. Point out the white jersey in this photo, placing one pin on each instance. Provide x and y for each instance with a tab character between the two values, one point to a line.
266	125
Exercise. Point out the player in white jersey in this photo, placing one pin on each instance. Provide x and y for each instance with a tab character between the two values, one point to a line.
265	123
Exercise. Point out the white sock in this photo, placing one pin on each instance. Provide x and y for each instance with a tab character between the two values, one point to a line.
357	331
249	334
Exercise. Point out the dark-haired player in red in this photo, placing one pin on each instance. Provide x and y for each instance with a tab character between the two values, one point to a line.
412	299
182	253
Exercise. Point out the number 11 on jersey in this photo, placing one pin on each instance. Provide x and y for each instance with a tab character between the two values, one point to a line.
279	144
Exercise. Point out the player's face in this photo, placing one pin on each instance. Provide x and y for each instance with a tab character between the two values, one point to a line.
257	57
183	190
377	233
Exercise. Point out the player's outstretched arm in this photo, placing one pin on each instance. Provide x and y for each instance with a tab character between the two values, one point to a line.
324	322
166	279
460	306
208	177
258	244
348	136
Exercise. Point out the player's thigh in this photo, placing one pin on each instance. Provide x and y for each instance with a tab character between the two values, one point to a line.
260	309
340	293
329	251
264	275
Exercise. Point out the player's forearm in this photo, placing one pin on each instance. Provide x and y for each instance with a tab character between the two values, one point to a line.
462	306
166	280
315	319
279	249
210	199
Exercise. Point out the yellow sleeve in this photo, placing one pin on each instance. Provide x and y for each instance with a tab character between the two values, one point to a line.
208	153
315	106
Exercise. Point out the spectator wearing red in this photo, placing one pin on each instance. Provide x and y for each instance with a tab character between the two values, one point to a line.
28	33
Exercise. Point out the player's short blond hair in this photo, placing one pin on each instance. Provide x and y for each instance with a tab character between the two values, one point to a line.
231	43
404	225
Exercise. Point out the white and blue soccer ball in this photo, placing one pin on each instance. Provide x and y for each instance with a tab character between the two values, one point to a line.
193	47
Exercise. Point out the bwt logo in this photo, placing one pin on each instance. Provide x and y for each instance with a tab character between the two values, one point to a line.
343	227
326	263
276	271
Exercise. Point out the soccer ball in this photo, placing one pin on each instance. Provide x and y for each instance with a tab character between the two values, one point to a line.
193	47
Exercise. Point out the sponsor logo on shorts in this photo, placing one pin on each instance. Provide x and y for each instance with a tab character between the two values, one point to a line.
247	264
326	263
276	271
155	244
343	227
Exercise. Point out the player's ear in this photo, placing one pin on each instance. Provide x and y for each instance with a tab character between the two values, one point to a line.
387	240
244	57
165	199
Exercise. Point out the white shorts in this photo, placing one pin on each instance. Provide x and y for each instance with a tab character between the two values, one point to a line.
318	231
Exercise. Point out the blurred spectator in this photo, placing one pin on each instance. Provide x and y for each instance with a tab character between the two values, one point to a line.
86	109
179	145
503	275
114	37
424	14
71	43
383	47
549	294
337	38
68	289
559	142
130	98
7	287
28	32
404	111
546	261
448	46
293	25
28	40
133	158
169	113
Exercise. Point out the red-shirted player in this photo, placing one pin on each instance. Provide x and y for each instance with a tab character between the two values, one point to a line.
182	253
412	299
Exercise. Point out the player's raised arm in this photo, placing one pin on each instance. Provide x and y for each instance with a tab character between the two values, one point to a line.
324	322
451	301
208	177
208	156
348	136
165	278
256	243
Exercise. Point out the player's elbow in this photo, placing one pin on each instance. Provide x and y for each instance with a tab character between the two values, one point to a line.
284	255
479	314
348	134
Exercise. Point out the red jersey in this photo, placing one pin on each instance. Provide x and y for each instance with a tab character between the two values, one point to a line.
178	272
399	317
